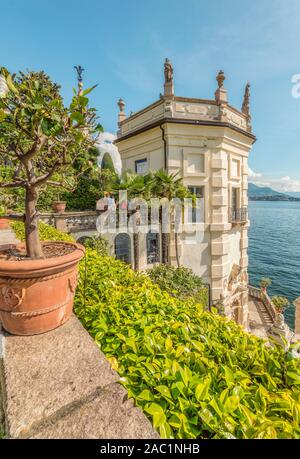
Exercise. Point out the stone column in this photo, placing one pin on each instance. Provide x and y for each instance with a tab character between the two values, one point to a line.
219	225
60	222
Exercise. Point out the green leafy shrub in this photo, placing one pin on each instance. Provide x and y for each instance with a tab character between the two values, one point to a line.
90	188
180	282
280	303
265	282
47	232
98	243
195	374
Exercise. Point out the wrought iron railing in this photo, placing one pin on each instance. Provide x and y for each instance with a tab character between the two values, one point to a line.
238	215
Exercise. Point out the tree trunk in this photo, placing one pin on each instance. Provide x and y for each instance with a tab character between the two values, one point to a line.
136	252
33	245
176	250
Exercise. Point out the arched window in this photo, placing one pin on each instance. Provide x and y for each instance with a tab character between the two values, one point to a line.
123	247
152	248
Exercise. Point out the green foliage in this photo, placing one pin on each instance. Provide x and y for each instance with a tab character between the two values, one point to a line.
179	282
137	186
10	198
2	432
107	162
42	140
169	186
265	282
37	122
90	188
280	303
157	184
195	374
47	233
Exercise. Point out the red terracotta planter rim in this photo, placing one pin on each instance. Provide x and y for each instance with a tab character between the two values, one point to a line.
28	268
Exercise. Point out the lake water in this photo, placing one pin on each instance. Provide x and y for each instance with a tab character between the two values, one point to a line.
274	248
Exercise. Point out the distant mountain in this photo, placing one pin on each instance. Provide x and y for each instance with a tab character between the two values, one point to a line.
295	194
264	193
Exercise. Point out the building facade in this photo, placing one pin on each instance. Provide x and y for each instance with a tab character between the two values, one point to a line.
207	142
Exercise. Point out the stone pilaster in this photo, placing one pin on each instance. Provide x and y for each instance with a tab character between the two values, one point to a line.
219	223
244	245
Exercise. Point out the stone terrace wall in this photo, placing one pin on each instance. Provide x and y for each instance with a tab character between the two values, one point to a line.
59	385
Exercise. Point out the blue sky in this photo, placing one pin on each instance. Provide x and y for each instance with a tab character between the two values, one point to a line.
122	45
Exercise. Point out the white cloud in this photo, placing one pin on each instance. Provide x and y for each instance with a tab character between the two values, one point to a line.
253	174
284	184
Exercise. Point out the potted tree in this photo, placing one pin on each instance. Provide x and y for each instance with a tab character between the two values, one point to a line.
43	140
280	303
265	282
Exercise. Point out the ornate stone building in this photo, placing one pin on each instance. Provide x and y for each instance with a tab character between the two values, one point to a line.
208	143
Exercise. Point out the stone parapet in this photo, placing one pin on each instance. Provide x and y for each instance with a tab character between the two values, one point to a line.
59	385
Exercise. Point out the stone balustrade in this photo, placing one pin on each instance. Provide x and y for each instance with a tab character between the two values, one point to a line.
185	109
280	331
71	222
265	299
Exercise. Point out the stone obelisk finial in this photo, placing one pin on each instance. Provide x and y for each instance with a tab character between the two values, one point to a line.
246	105
169	83
221	93
79	71
122	114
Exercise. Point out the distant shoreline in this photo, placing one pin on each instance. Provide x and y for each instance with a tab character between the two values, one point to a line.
274	198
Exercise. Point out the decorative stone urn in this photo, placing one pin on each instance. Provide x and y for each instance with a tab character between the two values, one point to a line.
4	224
36	295
59	207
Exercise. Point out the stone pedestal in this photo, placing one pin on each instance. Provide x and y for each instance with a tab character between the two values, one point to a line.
169	89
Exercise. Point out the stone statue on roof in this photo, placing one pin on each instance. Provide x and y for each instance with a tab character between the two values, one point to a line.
168	69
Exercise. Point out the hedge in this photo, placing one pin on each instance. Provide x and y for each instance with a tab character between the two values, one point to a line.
194	374
180	282
47	232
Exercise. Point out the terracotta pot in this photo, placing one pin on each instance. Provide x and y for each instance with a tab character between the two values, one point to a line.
37	295
59	207
4	223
